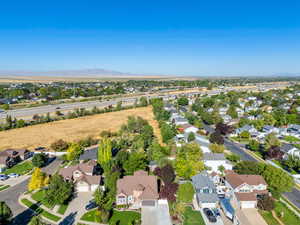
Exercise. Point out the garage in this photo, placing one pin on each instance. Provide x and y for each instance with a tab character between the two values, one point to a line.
248	204
82	187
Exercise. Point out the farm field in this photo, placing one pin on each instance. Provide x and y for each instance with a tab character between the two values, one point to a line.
72	129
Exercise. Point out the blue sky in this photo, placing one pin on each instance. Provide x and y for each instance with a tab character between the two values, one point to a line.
153	37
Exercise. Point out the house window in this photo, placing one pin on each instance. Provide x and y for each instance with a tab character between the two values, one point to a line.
206	190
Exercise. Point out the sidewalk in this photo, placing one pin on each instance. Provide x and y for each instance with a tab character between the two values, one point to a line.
14	181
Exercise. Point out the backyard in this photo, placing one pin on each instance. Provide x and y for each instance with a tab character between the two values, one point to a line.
285	214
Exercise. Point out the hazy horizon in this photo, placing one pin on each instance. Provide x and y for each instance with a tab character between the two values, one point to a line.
191	38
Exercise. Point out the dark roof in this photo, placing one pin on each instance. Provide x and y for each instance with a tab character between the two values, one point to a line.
286	147
89	154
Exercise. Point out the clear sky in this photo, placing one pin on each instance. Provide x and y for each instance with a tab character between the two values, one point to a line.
212	37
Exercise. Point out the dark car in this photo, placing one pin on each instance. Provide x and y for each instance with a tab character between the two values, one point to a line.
91	205
210	215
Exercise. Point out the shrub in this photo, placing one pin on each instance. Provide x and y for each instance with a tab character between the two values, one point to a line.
59	145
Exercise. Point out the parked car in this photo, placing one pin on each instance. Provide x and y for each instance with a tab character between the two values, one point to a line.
216	212
13	175
91	205
210	216
3	177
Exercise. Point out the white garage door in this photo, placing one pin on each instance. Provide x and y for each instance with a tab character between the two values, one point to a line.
247	205
208	205
83	188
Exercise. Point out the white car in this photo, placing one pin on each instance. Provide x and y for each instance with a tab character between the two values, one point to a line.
13	175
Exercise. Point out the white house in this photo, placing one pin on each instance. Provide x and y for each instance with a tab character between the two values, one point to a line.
289	149
214	160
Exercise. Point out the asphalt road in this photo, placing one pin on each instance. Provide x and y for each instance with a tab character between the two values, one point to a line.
29	112
293	196
11	195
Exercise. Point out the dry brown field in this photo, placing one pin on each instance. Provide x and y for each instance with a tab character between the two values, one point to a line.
72	129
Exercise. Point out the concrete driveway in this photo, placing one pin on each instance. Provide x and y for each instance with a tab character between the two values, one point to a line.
76	207
253	217
157	214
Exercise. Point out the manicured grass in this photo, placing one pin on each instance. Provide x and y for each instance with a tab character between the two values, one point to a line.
3	187
291	139
62	209
39	210
240	140
21	168
91	216
185	192
192	217
288	217
39	196
124	217
268	217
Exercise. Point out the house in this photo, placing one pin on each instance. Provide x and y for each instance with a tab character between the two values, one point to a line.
245	188
249	128
205	191
137	189
270	129
188	128
214	160
289	149
11	157
83	176
180	121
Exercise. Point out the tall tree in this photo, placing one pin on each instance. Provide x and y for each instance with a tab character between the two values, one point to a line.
104	152
5	213
74	151
38	180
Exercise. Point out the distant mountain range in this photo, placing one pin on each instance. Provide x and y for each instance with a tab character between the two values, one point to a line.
97	73
65	73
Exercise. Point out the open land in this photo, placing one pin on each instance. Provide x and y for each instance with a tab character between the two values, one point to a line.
72	129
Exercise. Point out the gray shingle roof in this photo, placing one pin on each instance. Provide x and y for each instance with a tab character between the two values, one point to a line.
202	180
287	147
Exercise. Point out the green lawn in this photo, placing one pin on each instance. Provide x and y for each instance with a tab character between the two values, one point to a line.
21	168
291	139
91	216
3	187
268	217
192	217
39	196
62	209
39	210
125	217
288	216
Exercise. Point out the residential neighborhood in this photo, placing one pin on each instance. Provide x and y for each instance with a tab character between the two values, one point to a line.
223	159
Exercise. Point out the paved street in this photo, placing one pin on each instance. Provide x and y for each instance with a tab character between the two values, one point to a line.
11	195
293	196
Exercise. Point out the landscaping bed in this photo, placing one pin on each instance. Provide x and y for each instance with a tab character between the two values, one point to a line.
62	209
20	168
192	217
91	216
39	210
3	187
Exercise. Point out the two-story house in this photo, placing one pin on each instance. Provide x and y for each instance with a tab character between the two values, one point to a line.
205	191
83	176
245	188
137	189
11	157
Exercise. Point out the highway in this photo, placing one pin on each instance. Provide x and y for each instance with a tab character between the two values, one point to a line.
28	113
